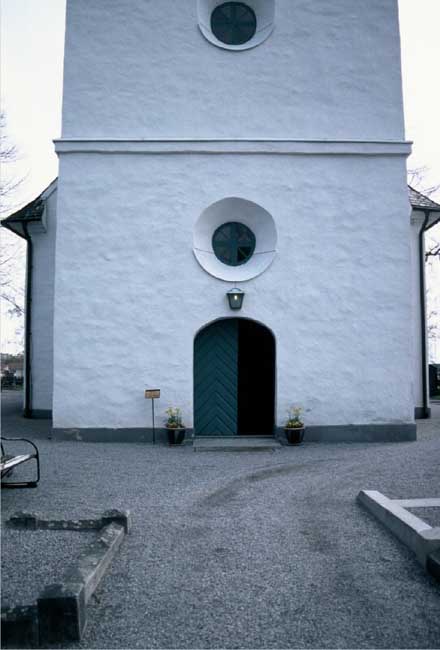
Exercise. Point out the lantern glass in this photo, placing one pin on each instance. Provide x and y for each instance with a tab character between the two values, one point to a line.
235	298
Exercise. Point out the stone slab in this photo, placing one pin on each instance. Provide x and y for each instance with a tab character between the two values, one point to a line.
239	443
95	559
61	613
418	503
62	607
33	521
415	533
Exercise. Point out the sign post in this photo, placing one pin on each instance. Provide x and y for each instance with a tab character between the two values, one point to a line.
153	393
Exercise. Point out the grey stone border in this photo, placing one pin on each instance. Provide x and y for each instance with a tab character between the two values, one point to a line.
358	433
420	537
117	435
420	413
332	433
41	414
140	434
61	610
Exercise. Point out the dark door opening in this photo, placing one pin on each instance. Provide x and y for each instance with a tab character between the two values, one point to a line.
234	379
256	379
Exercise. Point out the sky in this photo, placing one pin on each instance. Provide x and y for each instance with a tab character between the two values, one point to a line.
32	41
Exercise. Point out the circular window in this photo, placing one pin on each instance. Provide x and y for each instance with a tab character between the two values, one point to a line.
233	243
233	23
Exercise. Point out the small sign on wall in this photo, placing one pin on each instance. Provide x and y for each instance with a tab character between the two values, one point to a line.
152	393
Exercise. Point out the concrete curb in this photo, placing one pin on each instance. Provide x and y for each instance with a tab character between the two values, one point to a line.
62	607
61	610
33	521
420	537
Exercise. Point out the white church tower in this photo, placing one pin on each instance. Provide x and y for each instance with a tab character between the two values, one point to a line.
209	146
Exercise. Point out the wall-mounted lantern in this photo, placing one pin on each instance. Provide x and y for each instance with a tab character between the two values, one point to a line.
235	298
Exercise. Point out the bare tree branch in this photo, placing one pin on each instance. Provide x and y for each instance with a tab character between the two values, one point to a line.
417	180
434	251
12	250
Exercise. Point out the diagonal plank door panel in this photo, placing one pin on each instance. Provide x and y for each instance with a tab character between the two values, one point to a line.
216	379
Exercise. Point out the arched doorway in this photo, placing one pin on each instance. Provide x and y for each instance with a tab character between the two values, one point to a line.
234	379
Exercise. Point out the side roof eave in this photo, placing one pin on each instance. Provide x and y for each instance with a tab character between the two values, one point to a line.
424	205
30	213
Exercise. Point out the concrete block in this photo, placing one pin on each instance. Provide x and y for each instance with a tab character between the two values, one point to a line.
93	562
61	613
415	533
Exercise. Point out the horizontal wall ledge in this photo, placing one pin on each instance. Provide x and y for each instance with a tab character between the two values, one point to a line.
237	146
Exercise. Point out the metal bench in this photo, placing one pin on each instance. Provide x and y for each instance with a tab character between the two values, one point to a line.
8	462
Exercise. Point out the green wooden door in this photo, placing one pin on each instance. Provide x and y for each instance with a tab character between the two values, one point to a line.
216	379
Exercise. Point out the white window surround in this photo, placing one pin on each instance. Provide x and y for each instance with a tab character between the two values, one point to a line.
264	11
250	214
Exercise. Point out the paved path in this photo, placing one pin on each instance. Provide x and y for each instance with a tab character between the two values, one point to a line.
248	550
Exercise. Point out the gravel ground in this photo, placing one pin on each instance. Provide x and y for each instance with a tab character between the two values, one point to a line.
248	550
44	557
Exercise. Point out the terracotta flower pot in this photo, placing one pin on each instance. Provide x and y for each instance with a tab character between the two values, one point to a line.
176	435
294	435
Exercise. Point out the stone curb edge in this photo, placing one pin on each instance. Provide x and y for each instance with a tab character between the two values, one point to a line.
416	534
61	610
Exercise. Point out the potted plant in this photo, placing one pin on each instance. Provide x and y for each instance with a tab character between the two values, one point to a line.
294	427
175	428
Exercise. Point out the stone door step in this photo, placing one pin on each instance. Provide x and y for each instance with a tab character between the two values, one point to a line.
238	443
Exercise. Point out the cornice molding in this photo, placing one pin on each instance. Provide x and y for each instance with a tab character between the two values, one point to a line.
234	146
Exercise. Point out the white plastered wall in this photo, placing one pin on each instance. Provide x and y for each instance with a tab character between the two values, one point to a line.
130	295
43	279
143	69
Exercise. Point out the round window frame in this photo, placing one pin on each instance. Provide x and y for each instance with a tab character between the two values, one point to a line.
219	33
253	215
264	11
236	225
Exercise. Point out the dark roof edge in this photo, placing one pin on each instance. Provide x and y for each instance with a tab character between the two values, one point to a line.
33	211
421	202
